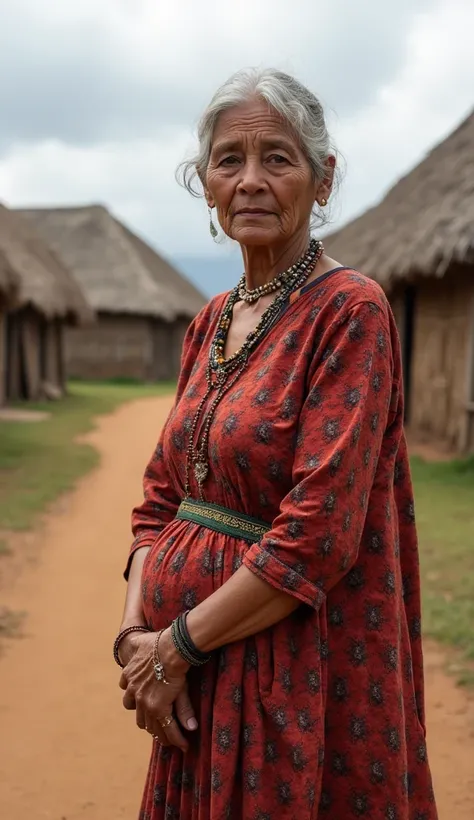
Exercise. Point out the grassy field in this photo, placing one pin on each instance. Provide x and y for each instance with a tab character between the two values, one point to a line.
444	496
40	460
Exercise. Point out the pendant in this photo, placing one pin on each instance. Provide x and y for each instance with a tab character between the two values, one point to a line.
201	471
159	671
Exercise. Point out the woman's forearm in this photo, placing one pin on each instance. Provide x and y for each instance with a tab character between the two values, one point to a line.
243	606
133	610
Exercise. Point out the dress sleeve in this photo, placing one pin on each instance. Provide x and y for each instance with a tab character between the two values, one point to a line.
160	500
314	541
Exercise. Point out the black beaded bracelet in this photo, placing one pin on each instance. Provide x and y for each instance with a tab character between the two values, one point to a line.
179	645
120	637
184	644
184	650
191	646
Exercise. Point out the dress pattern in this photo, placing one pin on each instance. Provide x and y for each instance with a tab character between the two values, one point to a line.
322	715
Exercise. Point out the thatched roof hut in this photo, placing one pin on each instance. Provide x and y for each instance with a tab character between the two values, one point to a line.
119	273
144	305
424	225
8	280
187	300
35	276
418	243
38	296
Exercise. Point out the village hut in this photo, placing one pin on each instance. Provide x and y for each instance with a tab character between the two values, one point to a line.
38	298
144	305
418	243
8	288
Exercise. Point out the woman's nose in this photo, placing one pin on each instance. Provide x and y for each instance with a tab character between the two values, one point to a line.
252	178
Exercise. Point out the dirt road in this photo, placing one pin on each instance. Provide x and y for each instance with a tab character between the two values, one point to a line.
68	751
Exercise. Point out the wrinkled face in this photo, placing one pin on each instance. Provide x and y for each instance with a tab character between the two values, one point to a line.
258	177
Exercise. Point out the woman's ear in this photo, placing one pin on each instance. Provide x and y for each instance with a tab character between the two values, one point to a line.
325	186
330	171
209	199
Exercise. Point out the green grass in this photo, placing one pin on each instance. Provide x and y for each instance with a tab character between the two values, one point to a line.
41	460
444	497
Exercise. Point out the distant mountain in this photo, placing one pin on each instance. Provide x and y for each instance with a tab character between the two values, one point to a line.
211	274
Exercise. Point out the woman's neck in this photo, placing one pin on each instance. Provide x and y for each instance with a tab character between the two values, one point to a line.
263	262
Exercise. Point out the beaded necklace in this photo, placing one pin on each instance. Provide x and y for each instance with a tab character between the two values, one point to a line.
251	296
222	373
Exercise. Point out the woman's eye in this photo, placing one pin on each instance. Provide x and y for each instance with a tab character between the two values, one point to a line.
277	158
229	160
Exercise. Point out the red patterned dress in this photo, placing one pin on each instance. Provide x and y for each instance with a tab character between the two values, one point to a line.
321	716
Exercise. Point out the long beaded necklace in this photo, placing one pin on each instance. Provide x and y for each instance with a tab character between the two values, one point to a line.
222	373
251	296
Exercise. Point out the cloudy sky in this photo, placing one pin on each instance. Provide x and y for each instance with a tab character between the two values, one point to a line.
99	99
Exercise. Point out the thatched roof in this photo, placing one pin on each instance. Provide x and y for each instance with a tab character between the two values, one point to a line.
424	224
187	299
32	274
8	279
118	272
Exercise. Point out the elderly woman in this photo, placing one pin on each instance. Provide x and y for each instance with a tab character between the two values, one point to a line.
271	634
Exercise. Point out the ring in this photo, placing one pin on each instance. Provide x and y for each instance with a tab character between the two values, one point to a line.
166	721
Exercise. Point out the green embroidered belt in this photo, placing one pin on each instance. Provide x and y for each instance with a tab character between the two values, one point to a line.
222	519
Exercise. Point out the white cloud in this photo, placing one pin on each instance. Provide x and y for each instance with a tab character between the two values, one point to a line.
127	79
136	179
432	93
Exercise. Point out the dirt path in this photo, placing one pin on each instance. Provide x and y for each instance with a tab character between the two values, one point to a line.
68	751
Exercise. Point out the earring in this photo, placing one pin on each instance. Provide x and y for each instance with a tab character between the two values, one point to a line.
212	227
323	203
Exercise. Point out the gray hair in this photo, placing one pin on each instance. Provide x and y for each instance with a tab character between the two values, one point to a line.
293	101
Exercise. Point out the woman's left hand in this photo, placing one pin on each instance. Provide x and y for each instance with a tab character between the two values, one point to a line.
154	700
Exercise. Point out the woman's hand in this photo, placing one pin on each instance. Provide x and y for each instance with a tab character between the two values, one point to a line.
128	646
154	700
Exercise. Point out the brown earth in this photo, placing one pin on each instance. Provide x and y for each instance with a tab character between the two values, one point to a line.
68	750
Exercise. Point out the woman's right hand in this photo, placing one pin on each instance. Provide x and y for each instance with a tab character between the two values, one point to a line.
155	702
